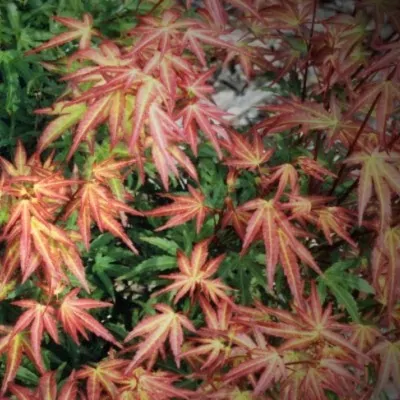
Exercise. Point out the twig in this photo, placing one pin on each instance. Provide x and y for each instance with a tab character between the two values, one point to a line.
304	91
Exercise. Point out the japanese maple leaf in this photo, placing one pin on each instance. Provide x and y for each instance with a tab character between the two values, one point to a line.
236	217
36	197
284	174
198	114
107	54
308	325
15	345
246	155
150	93
109	169
329	220
196	86
57	250
160	31
214	340
379	171
152	384
47	388
102	377
262	358
170	68
335	219
95	114
389	354
68	116
41	318
199	34
383	61
95	202
195	275
76	320
313	377
387	93
183	209
211	391
280	241
167	324
82	30
309	115
166	154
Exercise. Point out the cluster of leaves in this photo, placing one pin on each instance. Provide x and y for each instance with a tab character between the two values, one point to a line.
312	313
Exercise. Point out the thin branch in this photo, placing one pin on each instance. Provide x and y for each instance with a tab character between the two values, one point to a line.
304	90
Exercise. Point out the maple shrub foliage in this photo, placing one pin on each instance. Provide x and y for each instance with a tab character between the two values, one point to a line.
152	251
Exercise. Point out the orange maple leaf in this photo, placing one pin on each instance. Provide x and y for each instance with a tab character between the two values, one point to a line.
82	30
183	209
194	276
167	324
75	320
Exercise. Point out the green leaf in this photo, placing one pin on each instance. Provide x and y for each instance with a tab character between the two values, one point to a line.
342	283
344	297
13	17
27	376
159	263
100	241
168	246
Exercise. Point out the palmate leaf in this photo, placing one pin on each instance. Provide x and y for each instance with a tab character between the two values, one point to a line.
342	284
286	175
310	115
213	341
310	324
183	209
262	358
146	384
158	31
41	318
246	155
312	378
198	114
157	329
102	377
15	345
68	116
75	320
81	30
388	94
95	202
379	171
194	276
200	32
281	244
